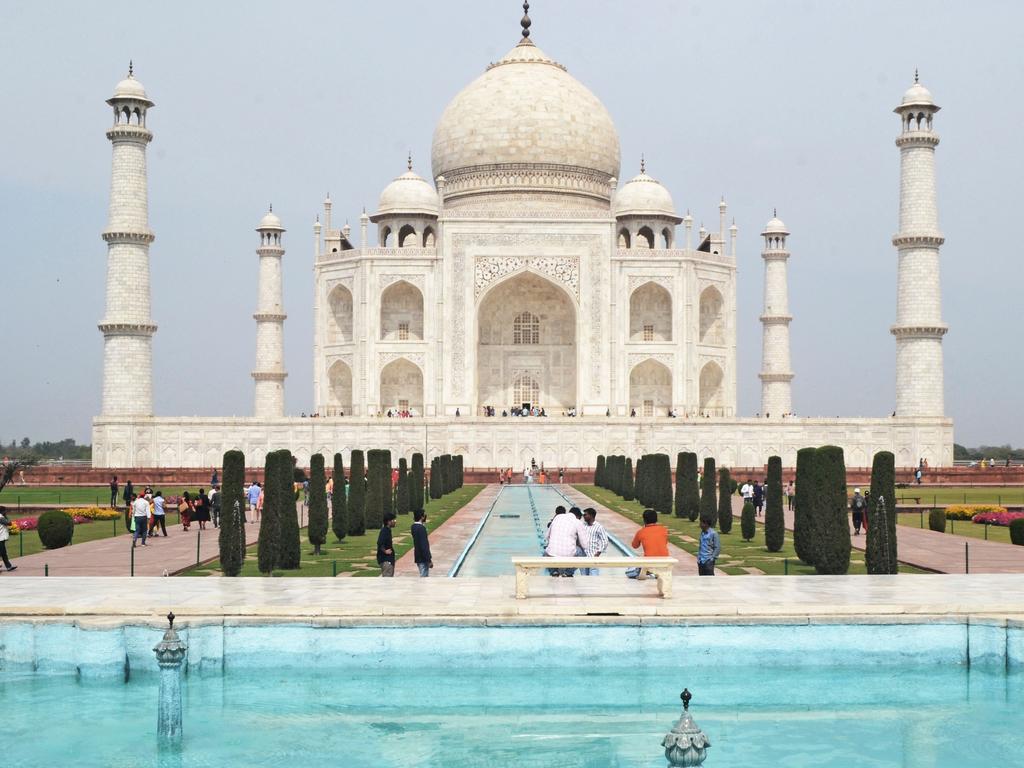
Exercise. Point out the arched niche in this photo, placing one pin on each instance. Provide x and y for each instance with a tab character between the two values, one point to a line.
339	389
401	312
650	313
711	397
650	389
339	319
712	317
401	387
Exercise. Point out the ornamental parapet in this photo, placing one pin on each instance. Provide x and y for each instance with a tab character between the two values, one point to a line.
130	133
918	238
917	139
522	177
127	329
378	253
270	250
648	255
776	376
776	319
775	254
269	317
920	331
127	236
269	375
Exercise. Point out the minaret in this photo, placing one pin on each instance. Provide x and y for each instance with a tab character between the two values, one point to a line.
919	328
126	326
776	376
270	374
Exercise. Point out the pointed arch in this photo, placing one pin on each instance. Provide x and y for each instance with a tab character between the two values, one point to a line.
650	388
339	318
624	239
650	313
712	317
428	237
339	389
711	398
401	387
645	237
407	237
401	312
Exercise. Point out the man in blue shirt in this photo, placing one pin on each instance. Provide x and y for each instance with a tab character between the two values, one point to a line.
421	543
710	549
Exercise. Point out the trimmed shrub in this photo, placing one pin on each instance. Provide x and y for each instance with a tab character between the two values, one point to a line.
298	475
803	503
339	500
708	499
317	528
1017	531
231	538
402	494
356	494
691	487
56	528
416	482
460	471
661	483
374	489
291	539
724	501
599	472
880	546
269	544
678	501
436	489
937	520
774	516
627	480
832	551
638	481
386	489
747	526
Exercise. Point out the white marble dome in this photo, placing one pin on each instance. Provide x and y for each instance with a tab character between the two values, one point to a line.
409	193
775	227
130	88
526	110
270	221
643	195
917	95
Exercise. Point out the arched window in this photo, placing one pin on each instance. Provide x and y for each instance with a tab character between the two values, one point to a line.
666	238
645	238
385	237
525	389
407	237
711	377
624	238
428	237
526	329
712	322
650	307
401	312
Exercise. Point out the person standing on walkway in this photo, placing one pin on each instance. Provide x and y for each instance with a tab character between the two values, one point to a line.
386	546
758	498
597	539
421	543
129	494
159	515
254	496
214	480
140	511
5	534
186	508
710	549
215	506
790	493
113	491
202	513
747	492
857	507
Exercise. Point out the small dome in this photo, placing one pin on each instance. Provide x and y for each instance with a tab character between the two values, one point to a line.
130	88
917	95
270	221
775	227
643	195
409	193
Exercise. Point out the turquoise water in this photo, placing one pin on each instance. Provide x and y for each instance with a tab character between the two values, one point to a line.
514	527
556	713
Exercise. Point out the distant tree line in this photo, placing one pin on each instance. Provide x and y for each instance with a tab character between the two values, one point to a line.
66	449
997	452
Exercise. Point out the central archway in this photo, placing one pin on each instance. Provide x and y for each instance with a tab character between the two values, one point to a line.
526	345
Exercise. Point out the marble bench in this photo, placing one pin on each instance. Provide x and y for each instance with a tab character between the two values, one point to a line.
661	567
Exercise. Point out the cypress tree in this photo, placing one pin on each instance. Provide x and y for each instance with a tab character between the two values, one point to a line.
460	471
356	494
387	490
599	472
291	540
231	539
268	546
627	480
680	486
436	491
339	500
374	490
803	504
880	550
832	554
691	487
708	500
317	528
747	525
444	465
662	481
416	482
724	501
402	494
774	516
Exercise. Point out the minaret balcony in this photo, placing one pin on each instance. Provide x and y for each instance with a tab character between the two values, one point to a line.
934	239
130	133
917	139
919	331
122	236
127	329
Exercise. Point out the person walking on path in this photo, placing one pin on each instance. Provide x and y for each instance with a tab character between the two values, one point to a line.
129	493
202	513
159	515
747	492
758	498
140	511
421	543
386	546
5	534
857	506
186	508
113	491
710	549
253	495
215	506
214	480
652	538
790	493
597	539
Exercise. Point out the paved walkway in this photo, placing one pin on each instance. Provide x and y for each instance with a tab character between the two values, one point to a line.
112	556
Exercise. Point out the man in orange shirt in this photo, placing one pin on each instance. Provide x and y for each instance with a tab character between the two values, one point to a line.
652	537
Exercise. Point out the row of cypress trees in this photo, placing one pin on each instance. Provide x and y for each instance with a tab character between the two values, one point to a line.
446	475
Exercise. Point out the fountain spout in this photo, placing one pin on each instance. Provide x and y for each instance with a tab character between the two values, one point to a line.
685	744
170	653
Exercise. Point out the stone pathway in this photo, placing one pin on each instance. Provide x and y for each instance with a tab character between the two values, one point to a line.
112	556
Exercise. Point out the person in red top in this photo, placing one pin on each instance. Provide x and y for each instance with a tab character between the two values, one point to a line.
653	538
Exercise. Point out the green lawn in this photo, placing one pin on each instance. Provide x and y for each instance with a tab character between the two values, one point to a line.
356	555
92	495
27	542
739	557
959	527
1002	494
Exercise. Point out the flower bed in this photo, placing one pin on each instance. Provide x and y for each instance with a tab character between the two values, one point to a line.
79	516
968	511
95	513
997	518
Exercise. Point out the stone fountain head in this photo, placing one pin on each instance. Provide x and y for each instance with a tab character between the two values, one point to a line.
686	744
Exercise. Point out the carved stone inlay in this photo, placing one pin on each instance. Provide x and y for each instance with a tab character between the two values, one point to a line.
383	358
490	269
383	281
635	358
635	281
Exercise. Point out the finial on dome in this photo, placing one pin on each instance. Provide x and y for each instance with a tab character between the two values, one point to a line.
525	22
131	69
643	163
409	161
916	79
271	210
775	213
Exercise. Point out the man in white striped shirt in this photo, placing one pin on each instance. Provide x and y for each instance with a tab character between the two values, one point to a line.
595	539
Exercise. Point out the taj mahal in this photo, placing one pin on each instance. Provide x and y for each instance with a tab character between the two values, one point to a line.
521	275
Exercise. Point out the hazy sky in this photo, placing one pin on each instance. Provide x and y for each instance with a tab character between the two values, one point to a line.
780	103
